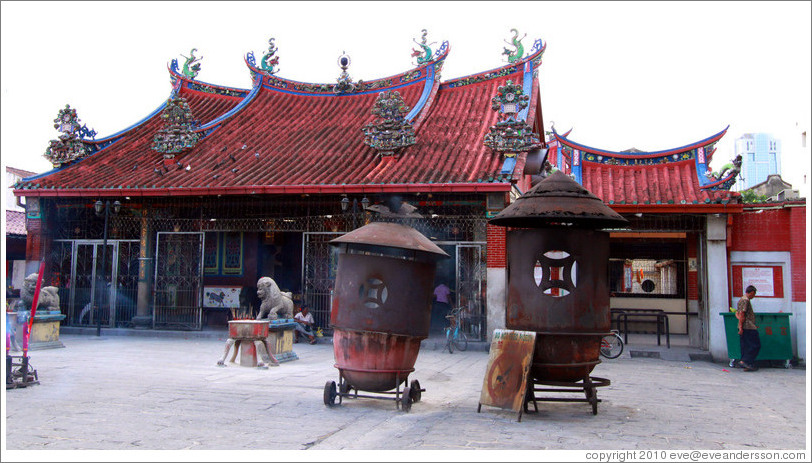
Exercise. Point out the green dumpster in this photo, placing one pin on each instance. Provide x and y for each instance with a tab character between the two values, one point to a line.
773	331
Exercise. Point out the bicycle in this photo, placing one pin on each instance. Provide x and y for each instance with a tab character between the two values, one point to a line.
454	337
612	345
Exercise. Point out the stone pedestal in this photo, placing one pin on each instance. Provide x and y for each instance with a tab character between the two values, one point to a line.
280	339
44	331
142	322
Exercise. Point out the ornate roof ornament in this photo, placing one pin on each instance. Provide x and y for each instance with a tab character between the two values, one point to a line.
392	131
69	146
727	172
518	51
192	66
424	55
345	84
176	135
510	135
269	61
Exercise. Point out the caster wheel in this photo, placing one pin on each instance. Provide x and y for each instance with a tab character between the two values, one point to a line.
414	390
330	393
406	400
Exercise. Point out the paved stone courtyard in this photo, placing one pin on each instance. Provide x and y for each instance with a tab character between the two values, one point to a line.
160	393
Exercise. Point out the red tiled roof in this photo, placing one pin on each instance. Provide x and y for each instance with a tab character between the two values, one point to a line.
637	181
298	139
643	185
15	223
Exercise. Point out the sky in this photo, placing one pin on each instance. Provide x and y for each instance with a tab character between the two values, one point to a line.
648	75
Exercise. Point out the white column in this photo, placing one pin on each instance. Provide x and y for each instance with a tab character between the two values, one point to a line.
718	297
497	298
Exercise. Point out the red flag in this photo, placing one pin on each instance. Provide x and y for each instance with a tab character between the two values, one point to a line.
27	330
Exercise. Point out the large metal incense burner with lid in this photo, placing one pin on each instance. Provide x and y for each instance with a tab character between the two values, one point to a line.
557	282
381	310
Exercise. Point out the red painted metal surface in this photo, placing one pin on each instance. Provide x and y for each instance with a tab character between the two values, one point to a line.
382	303
247	329
372	361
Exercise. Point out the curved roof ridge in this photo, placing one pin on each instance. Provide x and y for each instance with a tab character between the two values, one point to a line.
176	76
271	81
539	46
643	154
223	117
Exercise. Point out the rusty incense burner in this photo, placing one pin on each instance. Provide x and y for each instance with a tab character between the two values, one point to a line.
557	276
381	309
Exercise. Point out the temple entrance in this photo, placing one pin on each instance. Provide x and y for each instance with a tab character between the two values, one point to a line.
318	274
85	282
464	274
178	299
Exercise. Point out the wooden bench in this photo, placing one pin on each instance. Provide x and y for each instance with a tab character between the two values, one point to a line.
621	317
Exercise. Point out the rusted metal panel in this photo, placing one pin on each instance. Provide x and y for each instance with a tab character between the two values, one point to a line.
373	361
383	294
509	361
382	303
585	308
558	199
390	235
570	326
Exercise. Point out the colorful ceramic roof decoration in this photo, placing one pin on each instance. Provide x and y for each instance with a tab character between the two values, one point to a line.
269	62
68	147
424	54
509	135
518	49
176	135
392	131
191	67
634	179
283	136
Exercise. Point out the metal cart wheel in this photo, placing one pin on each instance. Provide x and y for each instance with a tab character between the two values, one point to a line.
406	399
330	393
344	387
414	390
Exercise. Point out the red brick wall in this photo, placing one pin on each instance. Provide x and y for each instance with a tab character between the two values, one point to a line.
775	230
33	245
798	230
496	257
691	248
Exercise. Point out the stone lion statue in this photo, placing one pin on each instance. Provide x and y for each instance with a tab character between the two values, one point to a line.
273	302
48	295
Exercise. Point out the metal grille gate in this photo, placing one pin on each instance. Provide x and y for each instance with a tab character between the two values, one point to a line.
178	281
75	268
470	275
319	264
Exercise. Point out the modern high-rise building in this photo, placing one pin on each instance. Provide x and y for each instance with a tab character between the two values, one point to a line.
761	156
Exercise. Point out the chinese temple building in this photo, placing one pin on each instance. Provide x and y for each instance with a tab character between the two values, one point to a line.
220	186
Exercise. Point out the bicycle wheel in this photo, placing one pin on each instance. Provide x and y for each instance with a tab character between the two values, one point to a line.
611	346
460	341
448	341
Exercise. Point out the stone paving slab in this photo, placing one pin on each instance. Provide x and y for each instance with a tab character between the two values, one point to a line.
131	393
